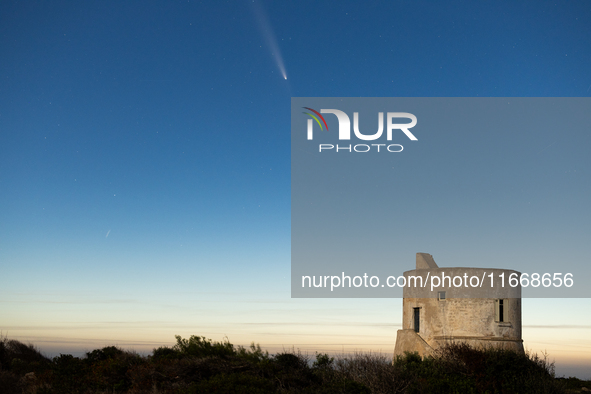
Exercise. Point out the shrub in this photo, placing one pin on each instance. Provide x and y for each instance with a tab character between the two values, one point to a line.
255	354
20	358
109	368
199	365
323	361
202	347
500	370
235	383
70	374
464	369
9	382
106	353
165	353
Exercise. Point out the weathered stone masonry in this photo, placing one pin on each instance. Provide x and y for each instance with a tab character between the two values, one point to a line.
477	316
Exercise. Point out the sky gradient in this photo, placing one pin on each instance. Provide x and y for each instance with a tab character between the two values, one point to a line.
145	158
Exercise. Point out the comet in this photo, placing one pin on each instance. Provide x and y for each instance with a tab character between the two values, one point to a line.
269	36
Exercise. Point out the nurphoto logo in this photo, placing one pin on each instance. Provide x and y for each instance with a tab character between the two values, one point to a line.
345	130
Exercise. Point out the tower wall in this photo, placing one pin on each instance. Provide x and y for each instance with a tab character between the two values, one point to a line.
470	320
480	316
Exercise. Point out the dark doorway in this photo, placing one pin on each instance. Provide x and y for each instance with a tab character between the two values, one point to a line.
417	319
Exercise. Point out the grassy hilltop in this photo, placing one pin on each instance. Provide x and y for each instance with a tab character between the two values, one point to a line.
198	365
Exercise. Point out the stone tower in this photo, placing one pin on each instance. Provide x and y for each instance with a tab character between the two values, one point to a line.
461	311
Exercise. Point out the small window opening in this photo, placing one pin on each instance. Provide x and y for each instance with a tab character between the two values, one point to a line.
501	309
441	295
417	319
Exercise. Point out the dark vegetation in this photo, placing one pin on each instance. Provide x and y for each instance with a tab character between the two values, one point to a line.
198	365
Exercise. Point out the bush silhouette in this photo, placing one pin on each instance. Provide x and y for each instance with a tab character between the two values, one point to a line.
200	365
202	347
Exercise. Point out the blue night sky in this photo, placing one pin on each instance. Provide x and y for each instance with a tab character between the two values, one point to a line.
145	158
